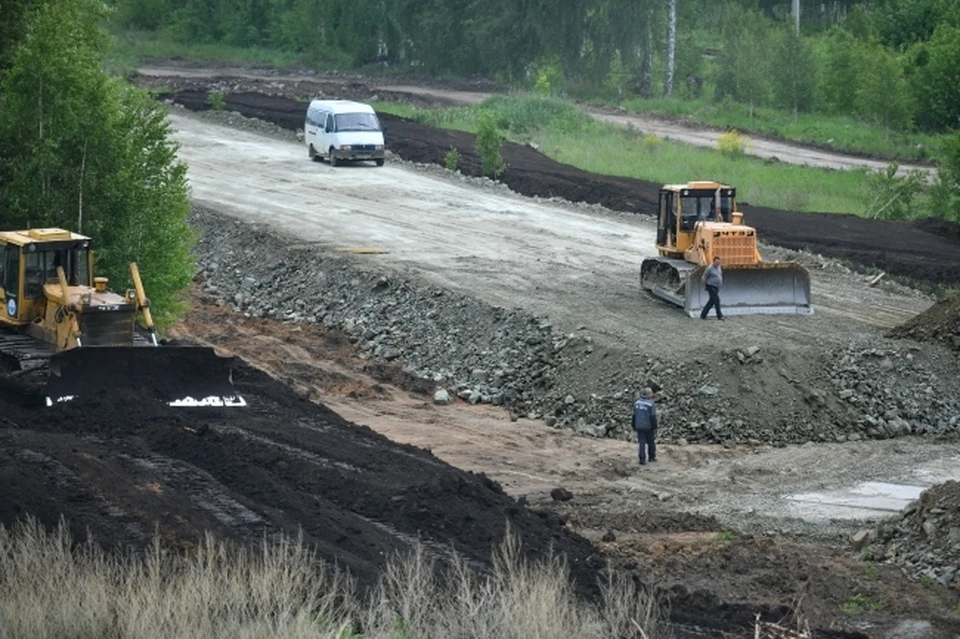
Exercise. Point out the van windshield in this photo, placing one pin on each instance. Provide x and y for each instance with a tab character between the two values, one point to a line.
357	122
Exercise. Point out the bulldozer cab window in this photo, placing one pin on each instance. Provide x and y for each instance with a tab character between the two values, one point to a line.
667	219
42	269
702	208
11	271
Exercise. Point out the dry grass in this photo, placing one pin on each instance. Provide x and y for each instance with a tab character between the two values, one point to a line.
50	587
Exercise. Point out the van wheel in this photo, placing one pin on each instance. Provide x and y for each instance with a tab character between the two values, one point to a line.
332	158
380	162
312	153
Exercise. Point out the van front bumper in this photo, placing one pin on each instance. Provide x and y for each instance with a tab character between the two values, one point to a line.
361	152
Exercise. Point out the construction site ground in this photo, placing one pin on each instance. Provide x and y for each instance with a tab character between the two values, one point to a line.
728	531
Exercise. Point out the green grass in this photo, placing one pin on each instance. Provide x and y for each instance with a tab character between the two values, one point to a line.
132	46
567	134
726	535
860	603
843	133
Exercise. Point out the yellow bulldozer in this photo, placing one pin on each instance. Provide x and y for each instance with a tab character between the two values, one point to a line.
698	221
58	320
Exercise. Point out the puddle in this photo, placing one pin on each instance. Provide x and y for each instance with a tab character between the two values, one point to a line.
872	499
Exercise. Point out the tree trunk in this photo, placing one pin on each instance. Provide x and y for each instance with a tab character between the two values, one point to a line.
646	67
83	168
671	46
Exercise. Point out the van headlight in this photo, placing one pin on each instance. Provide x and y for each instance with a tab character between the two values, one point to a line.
378	147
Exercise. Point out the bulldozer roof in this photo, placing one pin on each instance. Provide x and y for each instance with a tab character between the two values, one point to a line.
697	185
32	236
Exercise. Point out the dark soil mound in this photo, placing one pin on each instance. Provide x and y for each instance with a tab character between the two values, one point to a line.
123	465
924	252
940	322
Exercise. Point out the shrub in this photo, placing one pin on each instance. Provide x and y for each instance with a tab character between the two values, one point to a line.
733	143
216	100
452	159
488	146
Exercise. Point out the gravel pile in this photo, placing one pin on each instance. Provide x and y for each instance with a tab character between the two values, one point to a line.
479	353
894	392
483	354
925	541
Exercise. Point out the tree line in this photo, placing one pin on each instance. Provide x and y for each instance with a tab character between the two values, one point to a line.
85	151
891	62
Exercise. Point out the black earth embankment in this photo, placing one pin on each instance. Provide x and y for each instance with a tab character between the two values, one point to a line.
926	252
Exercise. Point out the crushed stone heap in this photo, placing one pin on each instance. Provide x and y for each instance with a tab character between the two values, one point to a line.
925	540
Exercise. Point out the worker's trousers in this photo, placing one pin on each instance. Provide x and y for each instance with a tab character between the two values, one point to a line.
646	439
714	294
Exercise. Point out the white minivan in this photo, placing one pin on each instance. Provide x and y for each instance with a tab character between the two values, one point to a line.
340	130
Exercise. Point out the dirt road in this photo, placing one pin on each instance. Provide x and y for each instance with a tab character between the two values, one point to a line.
687	133
548	258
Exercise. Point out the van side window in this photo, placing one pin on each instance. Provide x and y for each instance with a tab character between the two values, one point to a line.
328	125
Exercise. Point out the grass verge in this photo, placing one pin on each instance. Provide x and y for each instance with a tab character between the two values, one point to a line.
841	133
567	134
53	588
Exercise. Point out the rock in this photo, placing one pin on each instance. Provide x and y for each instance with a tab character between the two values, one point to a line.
911	629
608	537
886	365
707	391
475	397
569	399
862	538
442	397
561	494
929	529
846	393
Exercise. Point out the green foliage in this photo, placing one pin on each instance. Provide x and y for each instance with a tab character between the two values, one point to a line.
726	535
84	152
548	76
488	144
742	66
618	75
844	59
892	197
871	572
216	100
868	553
927	581
883	96
945	192
793	71
859	603
452	159
936	79
733	143
520	115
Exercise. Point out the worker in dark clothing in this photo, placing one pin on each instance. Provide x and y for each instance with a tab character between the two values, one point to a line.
645	423
713	280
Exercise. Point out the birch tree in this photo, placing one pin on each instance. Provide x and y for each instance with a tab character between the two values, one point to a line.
671	46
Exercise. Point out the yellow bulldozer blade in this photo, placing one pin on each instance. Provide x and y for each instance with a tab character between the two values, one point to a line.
764	288
176	375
